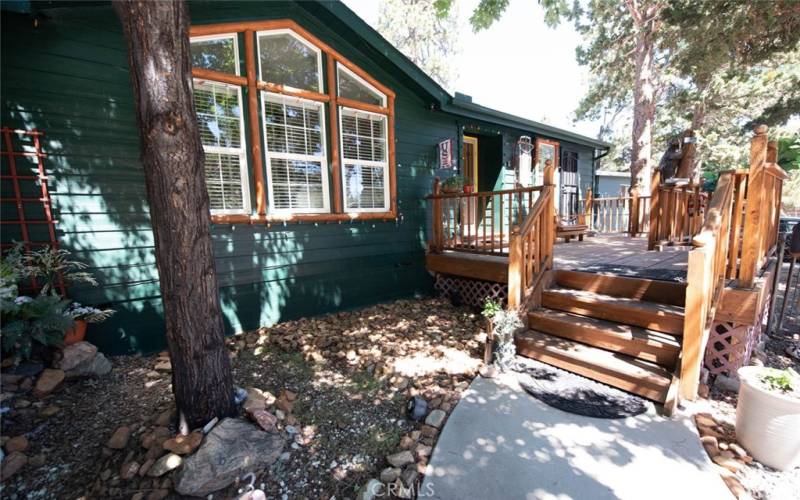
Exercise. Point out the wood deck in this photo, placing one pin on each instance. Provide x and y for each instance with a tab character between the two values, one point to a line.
618	254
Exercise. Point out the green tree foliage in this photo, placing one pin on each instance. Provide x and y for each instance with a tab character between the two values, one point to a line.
718	66
426	35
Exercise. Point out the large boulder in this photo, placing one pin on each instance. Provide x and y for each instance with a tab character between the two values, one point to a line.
233	448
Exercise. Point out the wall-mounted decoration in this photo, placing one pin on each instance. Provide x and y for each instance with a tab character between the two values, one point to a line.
446	157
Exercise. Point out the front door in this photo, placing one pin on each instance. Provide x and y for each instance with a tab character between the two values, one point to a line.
568	205
469	159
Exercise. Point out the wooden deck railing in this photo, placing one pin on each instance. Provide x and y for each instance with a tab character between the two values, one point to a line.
676	213
531	250
611	214
478	222
738	235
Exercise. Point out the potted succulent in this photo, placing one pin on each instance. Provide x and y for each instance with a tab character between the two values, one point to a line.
453	184
82	315
768	415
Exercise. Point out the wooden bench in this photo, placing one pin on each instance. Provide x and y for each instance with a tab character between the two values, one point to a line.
570	231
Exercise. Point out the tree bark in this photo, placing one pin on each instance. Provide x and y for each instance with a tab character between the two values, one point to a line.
172	157
644	92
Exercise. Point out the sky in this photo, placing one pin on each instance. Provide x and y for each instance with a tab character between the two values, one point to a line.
518	65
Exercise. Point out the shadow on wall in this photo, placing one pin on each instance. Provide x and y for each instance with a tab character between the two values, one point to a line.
76	90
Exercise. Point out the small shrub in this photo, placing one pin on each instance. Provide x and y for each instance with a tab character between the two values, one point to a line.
490	308
505	324
32	321
453	183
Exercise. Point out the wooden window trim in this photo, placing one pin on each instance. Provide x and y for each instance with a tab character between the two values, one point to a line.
254	85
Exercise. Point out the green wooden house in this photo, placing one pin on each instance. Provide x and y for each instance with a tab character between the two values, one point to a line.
321	140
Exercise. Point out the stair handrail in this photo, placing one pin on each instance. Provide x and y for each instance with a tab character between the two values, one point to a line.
531	250
706	273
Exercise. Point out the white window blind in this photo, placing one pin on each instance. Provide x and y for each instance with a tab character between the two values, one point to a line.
364	160
296	163
219	116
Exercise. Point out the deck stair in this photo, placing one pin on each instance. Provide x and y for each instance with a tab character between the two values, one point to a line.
621	331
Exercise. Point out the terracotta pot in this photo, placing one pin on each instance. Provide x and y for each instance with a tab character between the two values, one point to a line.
468	189
76	333
767	422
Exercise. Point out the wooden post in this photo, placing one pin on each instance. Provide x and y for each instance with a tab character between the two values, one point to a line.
652	237
633	212
751	242
515	270
587	210
438	243
697	298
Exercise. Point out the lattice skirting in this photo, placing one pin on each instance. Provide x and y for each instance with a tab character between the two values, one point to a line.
471	292
731	345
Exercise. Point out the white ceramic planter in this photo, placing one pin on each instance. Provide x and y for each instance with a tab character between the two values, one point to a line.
767	422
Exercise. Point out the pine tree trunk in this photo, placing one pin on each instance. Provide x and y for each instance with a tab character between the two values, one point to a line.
644	107
172	156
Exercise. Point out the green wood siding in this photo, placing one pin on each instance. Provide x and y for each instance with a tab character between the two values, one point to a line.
69	78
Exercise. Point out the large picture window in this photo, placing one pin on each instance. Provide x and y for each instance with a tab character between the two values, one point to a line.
297	90
364	160
295	151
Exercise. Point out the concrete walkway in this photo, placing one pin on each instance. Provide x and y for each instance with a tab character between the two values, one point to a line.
501	443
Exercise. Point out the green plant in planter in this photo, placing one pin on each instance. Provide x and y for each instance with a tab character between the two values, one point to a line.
780	380
454	183
35	324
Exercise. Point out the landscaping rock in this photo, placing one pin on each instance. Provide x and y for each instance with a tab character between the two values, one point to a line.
429	431
728	463
373	489
436	418
183	445
16	443
48	382
146	466
401	458
12	464
409	476
423	450
726	383
119	439
233	448
257	399
163	366
738	450
390	474
711	445
76	354
166	417
165	464
266	420
49	411
129	470
37	460
158	494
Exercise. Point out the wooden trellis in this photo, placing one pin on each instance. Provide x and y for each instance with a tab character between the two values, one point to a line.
25	186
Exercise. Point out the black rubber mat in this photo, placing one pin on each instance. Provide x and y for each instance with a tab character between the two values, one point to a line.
575	394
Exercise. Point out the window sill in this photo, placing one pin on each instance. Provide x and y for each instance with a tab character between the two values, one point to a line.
267	219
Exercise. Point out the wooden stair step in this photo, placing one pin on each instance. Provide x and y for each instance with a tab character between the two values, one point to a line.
663	292
618	370
641	343
660	317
